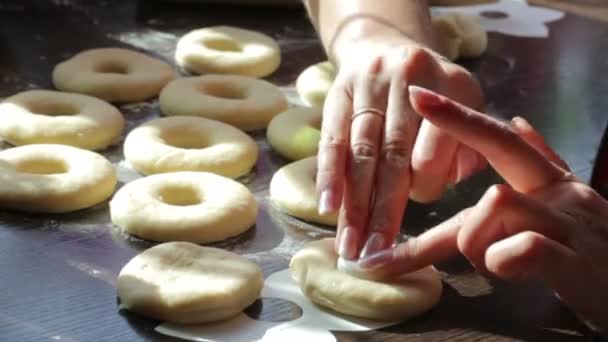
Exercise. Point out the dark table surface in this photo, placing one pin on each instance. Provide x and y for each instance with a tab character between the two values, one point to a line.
57	272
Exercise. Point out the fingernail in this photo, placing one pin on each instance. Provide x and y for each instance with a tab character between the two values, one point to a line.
376	260
467	162
374	244
348	244
325	203
520	122
425	97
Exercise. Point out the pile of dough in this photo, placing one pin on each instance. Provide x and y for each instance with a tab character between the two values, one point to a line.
112	74
459	35
188	143
314	83
398	299
184	206
185	283
44	116
292	189
295	133
244	102
228	50
48	178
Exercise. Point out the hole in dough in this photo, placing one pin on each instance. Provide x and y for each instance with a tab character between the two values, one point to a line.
225	91
53	108
222	44
494	14
182	137
270	309
42	166
179	195
112	68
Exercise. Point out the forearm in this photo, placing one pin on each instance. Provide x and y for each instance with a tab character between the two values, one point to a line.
340	23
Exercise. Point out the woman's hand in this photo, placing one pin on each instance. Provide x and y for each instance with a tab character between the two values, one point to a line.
544	224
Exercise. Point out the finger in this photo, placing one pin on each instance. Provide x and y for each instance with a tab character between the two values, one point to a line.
467	163
534	139
521	165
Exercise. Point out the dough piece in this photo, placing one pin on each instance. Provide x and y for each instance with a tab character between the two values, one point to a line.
295	133
292	189
459	35
314	269
198	207
182	282
53	117
188	143
314	83
228	50
113	74
48	178
244	102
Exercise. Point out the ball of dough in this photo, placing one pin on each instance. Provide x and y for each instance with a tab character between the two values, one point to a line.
188	143
228	50
292	189
48	178
295	133
44	116
314	83
198	207
182	282
459	35
244	102
113	74
314	269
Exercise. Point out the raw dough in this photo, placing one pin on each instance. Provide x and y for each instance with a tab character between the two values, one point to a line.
53	117
185	283
228	50
295	133
184	206
314	83
244	102
187	143
314	269
48	178
113	74
459	35
292	189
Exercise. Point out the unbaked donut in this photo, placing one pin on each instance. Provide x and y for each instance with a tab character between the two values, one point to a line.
295	133
459	35
188	143
314	83
198	207
53	117
292	189
244	102
113	74
49	178
185	283
228	50
398	299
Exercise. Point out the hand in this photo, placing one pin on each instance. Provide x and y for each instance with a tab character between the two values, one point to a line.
547	224
366	167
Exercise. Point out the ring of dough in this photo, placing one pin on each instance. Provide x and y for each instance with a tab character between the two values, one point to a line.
244	102
228	50
187	143
198	207
182	282
292	189
295	133
53	117
49	178
314	270
112	74
314	83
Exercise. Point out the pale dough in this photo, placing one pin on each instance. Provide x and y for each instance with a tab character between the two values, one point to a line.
314	83
459	35
188	143
186	283
292	189
49	178
199	207
398	299
53	117
295	133
113	74
244	102
228	50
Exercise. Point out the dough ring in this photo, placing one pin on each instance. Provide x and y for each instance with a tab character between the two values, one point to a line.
228	50
314	269
112	74
48	178
182	282
187	143
459	35
292	189
198	207
295	133
244	102
314	83
44	116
